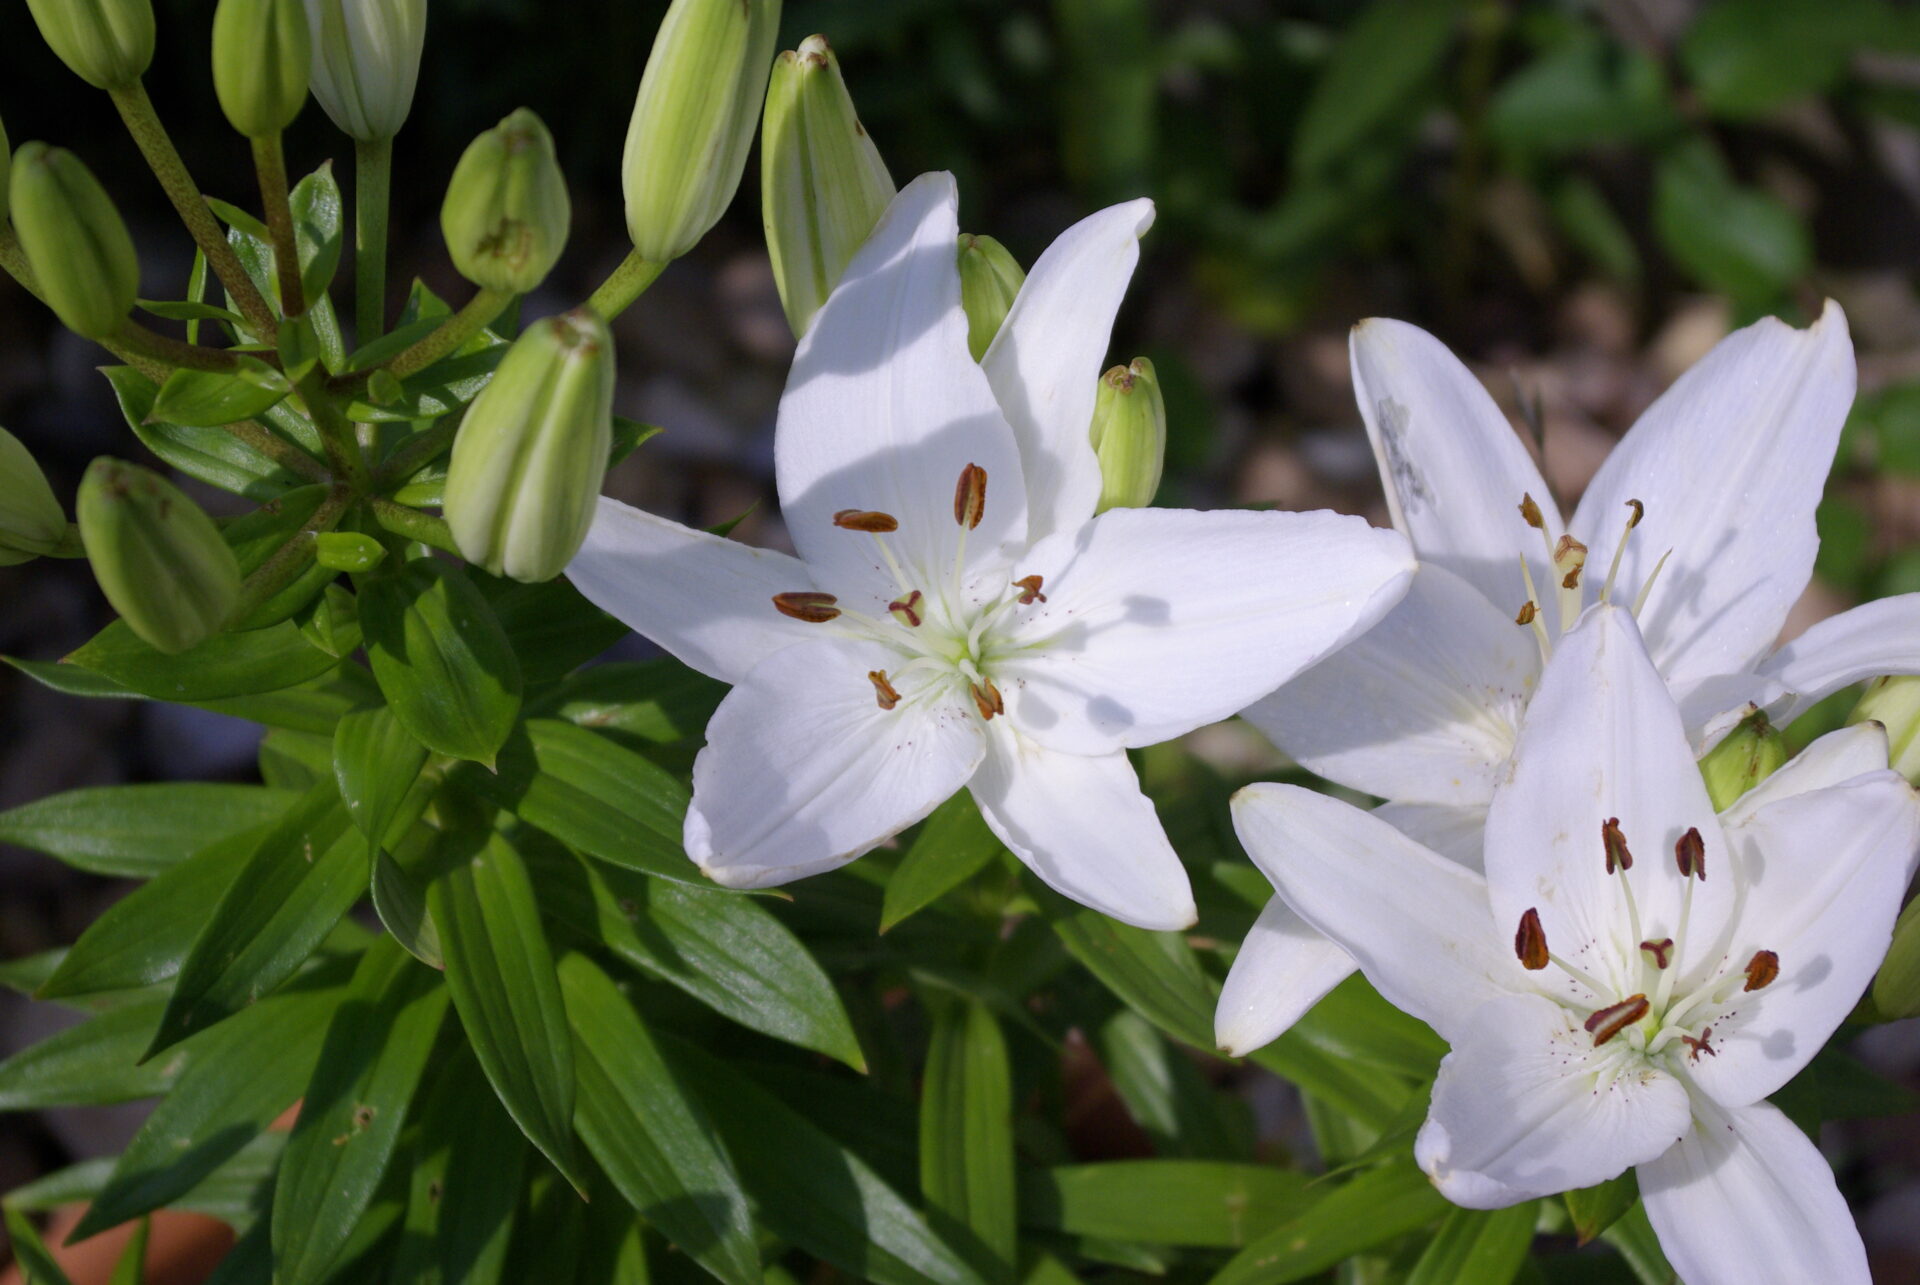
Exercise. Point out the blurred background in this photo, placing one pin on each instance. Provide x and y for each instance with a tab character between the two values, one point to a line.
1579	198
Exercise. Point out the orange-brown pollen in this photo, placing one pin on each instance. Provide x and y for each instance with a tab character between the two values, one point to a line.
970	496
1608	1022
986	699
1615	842
1690	854
1761	970
812	607
866	520
1531	512
882	689
1530	943
1528	610
1030	590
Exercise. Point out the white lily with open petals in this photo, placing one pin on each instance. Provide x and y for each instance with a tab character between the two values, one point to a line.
1724	472
957	615
1632	975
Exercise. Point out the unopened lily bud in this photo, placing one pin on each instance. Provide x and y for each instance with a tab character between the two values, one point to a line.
506	213
1129	435
366	59
532	451
1896	987
157	555
75	240
990	277
822	183
262	54
693	120
1748	755
6	167
1894	703
107	43
31	520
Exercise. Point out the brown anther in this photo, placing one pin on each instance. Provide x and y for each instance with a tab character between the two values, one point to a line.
1530	943
1030	591
1662	951
970	496
866	520
814	608
1761	970
1615	842
1608	1022
1528	610
1639	511
1531	512
882	689
1696	1047
986	699
1690	854
1571	556
907	610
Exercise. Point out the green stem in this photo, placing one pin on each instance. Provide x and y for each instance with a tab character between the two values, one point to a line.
270	163
173	352
372	182
14	261
407	460
413	524
136	109
624	284
290	559
463	325
336	433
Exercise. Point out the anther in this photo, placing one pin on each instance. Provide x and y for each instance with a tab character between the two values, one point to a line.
1662	951
1639	511
1528	610
906	610
1761	970
1530	943
866	520
986	699
1531	512
1696	1047
1690	854
970	496
1615	842
882	689
814	608
1608	1022
1570	559
1030	590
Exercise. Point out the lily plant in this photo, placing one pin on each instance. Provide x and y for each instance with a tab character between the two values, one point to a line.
958	616
1632	975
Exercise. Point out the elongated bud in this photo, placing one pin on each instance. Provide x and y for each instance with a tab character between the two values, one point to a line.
989	279
262	55
107	43
1750	754
693	120
157	555
532	451
506	213
6	168
31	520
822	183
1894	703
1129	435
366	59
1896	987
75	240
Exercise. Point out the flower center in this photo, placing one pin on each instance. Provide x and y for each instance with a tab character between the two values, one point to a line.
1568	559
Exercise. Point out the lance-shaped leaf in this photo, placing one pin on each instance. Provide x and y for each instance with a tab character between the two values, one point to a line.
441	659
30	1252
1477	1247
209	398
210	455
1154	973
466	1162
1373	1208
93	1063
966	1136
230	664
953	846
316	209
1594	1209
138	831
1164	1202
375	761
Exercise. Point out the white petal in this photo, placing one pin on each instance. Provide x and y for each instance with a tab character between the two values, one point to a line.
1746	1197
1729	463
1875	638
1046	360
803	771
1834	759
1283	969
707	600
1081	823
1456	833
885	407
1526	1106
1453	467
1163	620
1423	707
1712	707
1414	922
1603	740
1824	873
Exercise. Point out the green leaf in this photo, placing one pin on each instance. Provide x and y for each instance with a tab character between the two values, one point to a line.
501	973
1370	1210
553	628
375	1050
71	680
30	1252
208	399
1477	1247
375	761
658	701
138	831
441	659
132	1265
1588	91
1155	974
315	205
1594	1209
1731	238
1634	1237
1164	1202
467	1161
966	1136
210	455
653	1139
1167	1093
314	707
1746	57
953	846
1392	50
230	664
94	1063
255	537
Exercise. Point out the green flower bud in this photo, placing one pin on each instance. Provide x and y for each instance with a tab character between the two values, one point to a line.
989	279
1748	755
31	520
1129	435
366	59
261	57
693	119
157	555
75	240
1894	703
1896	987
6	167
822	183
532	451
506	213
107	43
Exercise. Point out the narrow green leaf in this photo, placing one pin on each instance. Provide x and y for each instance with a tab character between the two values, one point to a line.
400	879
1370	1210
30	1252
315	206
93	1063
1594	1209
249	1262
1155	974
375	761
966	1136
1477	1247
131	1269
1167	1093
552	627
440	658
1165	1202
465	1184
139	831
953	846
231	664
1392	50
73	680
210	455
188	310
1730	237
208	399
1634	1237
266	533
659	701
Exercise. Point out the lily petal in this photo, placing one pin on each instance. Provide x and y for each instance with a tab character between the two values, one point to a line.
1414	922
1285	967
707	600
1525	1106
1453	468
1423	708
1746	436
885	407
1159	621
1747	1197
803	771
1456	833
1045	361
1875	638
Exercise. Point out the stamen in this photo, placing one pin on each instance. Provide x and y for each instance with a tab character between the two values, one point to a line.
1615	843
1761	970
1690	854
1696	1047
986	699
1030	590
866	520
1647	588
1569	558
970	496
1662	951
1620	549
1608	1022
814	608
906	610
1531	512
1530	943
882	689
1528	610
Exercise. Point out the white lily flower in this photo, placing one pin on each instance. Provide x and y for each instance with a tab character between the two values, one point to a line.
1632	975
1717	484
957	615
